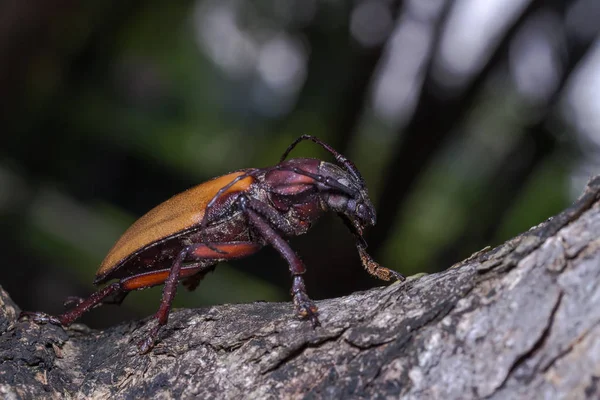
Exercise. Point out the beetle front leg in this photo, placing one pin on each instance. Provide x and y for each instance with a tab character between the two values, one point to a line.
305	307
373	268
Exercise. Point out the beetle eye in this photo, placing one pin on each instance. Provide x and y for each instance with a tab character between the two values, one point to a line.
360	210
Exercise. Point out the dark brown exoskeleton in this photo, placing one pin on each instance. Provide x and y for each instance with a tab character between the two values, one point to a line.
231	217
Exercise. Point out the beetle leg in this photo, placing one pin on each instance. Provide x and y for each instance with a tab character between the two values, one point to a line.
367	261
373	268
204	222
74	301
249	173
95	299
271	214
162	315
305	307
194	252
82	306
221	251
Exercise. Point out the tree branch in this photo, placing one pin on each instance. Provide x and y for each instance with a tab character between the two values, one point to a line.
518	321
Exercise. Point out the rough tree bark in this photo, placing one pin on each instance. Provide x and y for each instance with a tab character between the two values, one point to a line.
519	321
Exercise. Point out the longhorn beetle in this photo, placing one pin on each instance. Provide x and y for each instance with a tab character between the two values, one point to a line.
226	218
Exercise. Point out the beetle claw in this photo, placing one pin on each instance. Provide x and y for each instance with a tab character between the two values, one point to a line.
314	320
39	317
306	309
311	313
397	275
148	342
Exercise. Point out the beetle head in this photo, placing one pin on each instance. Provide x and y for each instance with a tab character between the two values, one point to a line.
354	204
352	201
360	212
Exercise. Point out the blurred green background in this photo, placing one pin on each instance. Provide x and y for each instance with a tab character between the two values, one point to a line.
471	122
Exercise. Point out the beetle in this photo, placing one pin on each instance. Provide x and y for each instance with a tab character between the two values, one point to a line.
226	218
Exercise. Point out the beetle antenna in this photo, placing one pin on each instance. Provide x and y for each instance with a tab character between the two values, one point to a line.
349	165
319	178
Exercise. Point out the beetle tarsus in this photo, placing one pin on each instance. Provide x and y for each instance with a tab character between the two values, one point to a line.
373	268
149	341
39	317
305	307
397	275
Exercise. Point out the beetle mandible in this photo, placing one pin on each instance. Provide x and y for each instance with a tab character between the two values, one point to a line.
231	217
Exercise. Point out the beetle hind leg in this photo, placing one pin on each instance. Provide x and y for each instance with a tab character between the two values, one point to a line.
80	308
116	299
39	317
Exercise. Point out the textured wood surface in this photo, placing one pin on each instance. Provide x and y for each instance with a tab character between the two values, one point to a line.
518	321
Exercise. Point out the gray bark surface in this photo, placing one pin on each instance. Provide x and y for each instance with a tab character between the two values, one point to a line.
521	321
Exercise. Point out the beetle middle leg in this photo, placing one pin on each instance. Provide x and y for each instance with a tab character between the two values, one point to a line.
206	252
162	315
305	307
